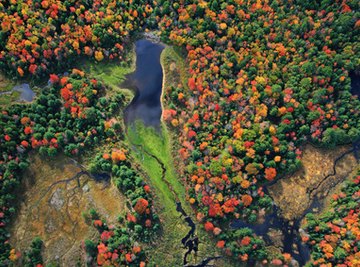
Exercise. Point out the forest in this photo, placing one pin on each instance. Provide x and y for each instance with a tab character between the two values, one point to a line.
261	79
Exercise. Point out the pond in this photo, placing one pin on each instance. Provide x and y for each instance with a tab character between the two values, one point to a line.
26	93
147	83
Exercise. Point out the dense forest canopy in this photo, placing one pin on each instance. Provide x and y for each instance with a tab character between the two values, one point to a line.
263	78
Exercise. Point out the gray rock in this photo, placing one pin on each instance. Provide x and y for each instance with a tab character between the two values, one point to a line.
57	199
86	188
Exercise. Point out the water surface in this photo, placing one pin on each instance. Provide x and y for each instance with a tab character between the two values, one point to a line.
147	83
27	94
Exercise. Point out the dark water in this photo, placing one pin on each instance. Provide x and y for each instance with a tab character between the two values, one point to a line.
292	243
355	83
100	177
27	94
290	231
147	82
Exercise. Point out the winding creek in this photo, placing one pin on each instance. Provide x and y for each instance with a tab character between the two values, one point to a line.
146	106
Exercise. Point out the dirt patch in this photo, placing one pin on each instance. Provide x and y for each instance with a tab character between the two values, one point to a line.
294	193
55	197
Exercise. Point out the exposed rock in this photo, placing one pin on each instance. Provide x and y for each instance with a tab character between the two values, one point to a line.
57	200
86	188
293	194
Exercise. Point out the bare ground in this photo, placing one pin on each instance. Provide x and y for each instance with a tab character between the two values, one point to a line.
294	193
52	208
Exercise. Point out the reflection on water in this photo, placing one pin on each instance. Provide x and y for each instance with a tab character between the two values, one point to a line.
147	82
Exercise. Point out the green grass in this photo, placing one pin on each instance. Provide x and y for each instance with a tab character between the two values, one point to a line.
168	248
5	83
8	99
5	86
157	144
112	73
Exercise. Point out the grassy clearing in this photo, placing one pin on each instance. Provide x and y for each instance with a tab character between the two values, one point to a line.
5	86
112	73
168	248
8	99
157	144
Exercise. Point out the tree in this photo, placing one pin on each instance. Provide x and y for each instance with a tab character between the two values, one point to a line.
141	205
33	254
270	173
332	137
91	248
